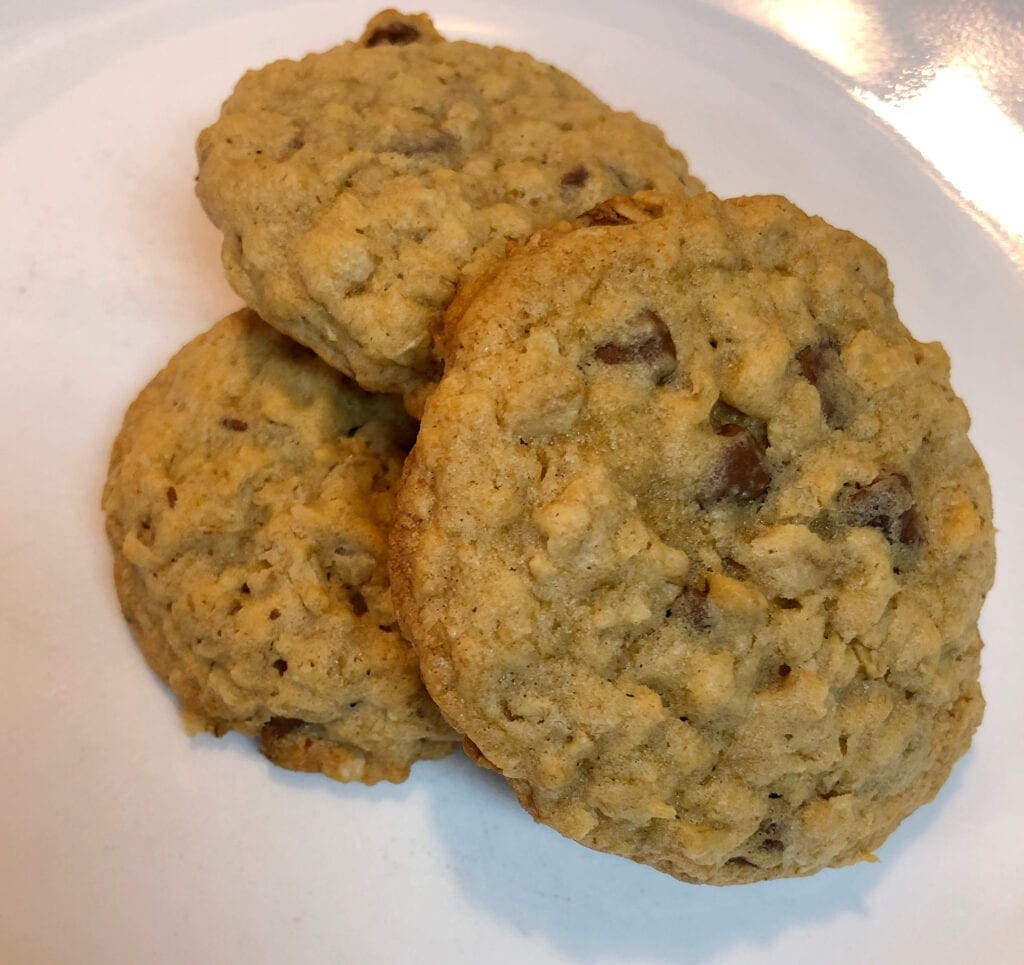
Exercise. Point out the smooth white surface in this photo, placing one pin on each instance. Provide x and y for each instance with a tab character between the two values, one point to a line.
122	840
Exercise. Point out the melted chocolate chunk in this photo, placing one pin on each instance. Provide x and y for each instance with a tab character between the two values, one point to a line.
736	570
692	604
358	603
743	472
172	496
821	366
816	360
235	425
654	347
909	531
887	504
395	34
575	178
723	414
281	665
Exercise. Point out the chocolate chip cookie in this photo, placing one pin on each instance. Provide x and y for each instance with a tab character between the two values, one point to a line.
693	543
248	500
356	187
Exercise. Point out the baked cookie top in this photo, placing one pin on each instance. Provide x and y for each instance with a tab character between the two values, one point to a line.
248	500
692	543
355	187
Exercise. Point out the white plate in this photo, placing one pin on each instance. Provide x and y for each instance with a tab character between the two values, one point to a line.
121	839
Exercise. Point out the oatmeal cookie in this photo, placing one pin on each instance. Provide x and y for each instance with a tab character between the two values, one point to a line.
693	543
248	501
355	187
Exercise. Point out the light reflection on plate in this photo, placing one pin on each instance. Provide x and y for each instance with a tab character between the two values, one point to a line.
943	97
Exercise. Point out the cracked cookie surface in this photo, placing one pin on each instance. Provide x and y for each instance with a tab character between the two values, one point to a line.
248	500
693	543
357	186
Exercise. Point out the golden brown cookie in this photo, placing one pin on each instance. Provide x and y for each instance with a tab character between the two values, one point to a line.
693	543
356	187
248	501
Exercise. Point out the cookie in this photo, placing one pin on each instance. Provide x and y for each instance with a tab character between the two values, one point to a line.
248	501
692	543
356	187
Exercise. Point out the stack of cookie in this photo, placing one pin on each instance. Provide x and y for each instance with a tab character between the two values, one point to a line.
691	544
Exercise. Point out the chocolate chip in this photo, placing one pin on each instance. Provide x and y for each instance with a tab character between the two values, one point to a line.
887	504
358	603
816	360
281	666
785	669
909	531
575	178
735	569
396	34
172	496
723	414
278	727
785	603
274	614
235	425
743	472
821	366
612	354
692	604
654	347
